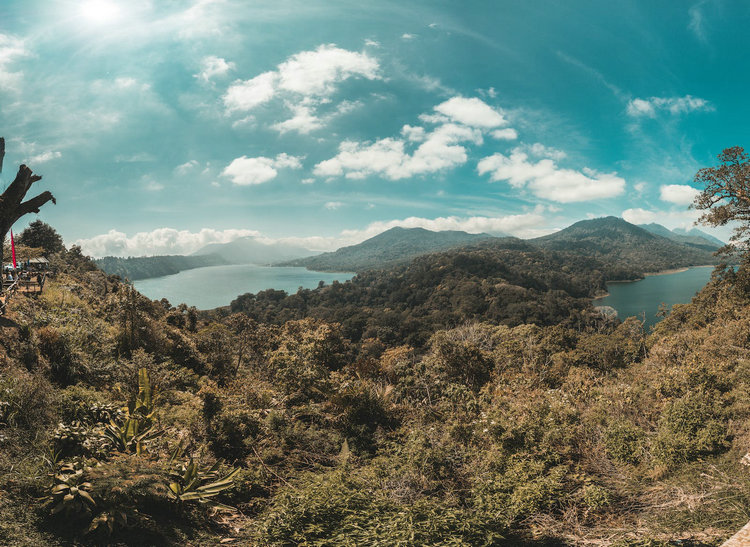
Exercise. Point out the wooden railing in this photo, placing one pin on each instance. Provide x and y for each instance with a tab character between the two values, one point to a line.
6	294
25	286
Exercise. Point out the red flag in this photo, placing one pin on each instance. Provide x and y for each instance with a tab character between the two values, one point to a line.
13	250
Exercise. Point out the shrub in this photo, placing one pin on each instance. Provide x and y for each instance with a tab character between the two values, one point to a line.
232	433
623	441
690	427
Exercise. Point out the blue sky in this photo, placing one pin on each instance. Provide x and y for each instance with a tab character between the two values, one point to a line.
164	125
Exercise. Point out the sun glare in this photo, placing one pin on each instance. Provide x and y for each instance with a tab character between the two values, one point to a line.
100	11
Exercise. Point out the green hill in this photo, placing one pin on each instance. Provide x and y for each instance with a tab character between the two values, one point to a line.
694	237
393	247
143	267
630	248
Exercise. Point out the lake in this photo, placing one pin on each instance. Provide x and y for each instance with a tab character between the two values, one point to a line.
215	286
644	296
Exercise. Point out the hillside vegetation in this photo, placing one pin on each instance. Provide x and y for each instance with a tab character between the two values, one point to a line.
490	431
144	267
393	247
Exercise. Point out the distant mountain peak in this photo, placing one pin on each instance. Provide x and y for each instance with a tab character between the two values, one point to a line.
397	245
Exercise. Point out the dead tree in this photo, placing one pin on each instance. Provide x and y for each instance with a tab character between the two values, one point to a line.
12	204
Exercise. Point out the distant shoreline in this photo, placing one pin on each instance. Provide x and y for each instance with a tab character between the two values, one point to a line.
651	274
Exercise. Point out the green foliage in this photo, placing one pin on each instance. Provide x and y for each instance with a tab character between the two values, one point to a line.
41	234
624	442
232	433
144	267
690	427
137	428
189	482
70	493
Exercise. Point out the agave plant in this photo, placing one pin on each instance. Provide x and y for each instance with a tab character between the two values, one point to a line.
69	493
106	522
137	428
188	482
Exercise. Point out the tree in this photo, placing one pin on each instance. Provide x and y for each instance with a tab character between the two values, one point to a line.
41	234
726	193
12	204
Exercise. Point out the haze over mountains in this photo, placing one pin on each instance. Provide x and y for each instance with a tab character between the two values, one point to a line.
248	250
613	239
693	236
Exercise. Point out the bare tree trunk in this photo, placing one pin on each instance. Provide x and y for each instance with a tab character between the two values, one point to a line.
12	206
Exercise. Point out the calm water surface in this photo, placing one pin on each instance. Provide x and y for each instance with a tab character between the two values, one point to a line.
214	286
644	296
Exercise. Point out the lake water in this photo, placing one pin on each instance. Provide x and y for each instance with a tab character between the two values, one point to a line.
215	286
644	296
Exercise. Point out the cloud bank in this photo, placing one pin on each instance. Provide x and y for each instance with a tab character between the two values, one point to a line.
548	181
457	121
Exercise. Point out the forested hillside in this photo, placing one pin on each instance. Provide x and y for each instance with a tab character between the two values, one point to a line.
143	267
617	242
391	248
482	433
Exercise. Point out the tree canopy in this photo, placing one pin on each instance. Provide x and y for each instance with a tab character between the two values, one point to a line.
41	234
726	194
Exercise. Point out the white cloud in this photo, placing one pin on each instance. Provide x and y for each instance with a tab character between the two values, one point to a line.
459	120
303	121
11	50
472	112
157	242
539	150
507	134
639	187
164	241
372	43
333	205
317	72
244	96
679	194
548	181
43	157
305	81
388	157
407	36
212	66
186	167
246	171
696	24
673	105
530	224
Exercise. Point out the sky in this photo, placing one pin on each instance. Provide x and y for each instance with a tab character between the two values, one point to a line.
162	126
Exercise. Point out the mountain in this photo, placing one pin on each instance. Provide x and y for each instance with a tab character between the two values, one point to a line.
393	247
695	232
626	246
248	250
143	267
693	237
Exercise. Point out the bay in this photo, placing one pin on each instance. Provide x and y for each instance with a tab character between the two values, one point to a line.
642	298
215	286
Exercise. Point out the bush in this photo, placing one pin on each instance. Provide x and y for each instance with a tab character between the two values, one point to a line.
232	433
689	428
624	442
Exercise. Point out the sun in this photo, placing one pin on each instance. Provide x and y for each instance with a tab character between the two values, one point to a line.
100	11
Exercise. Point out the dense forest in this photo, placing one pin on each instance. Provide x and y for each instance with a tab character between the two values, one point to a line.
130	421
393	247
501	280
143	267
